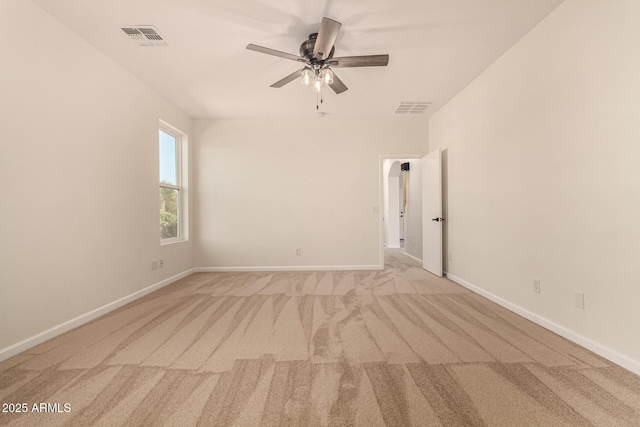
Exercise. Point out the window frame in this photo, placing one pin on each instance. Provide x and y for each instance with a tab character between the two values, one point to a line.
181	155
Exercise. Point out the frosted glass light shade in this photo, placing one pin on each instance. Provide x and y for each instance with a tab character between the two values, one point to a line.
317	85
306	77
327	76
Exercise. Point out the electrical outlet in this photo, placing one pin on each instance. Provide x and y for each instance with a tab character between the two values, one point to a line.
298	251
536	286
154	264
161	263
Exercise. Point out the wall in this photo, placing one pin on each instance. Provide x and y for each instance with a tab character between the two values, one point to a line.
413	214
79	167
543	179
266	187
392	204
386	168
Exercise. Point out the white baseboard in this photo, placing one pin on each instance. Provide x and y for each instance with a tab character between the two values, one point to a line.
419	261
602	350
288	268
34	340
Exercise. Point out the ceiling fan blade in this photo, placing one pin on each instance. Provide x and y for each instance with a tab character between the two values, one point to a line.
277	53
338	86
327	34
291	77
359	61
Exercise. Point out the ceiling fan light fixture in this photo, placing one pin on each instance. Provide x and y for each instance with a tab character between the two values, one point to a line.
317	53
327	76
318	85
306	77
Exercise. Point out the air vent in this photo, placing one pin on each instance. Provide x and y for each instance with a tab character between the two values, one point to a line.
144	35
412	107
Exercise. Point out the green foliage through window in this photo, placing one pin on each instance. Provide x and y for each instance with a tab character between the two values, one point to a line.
169	213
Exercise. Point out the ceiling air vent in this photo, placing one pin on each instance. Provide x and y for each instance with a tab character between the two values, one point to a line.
144	35
412	107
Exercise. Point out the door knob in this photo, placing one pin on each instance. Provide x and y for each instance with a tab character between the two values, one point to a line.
438	219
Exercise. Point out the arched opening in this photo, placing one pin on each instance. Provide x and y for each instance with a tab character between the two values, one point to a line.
401	203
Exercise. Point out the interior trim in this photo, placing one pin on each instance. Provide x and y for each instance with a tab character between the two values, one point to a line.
598	348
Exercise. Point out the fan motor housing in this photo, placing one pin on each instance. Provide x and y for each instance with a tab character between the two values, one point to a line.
306	49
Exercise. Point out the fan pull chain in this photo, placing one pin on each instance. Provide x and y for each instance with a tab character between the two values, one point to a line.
319	95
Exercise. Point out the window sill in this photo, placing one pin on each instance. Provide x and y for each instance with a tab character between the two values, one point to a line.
172	241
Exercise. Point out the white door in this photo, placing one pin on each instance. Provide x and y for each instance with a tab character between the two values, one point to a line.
432	213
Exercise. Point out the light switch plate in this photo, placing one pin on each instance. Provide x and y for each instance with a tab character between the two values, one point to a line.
578	299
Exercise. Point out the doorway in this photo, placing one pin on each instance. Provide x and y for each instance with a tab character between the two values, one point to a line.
401	205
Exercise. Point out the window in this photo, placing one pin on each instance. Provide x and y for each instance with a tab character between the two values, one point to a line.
172	194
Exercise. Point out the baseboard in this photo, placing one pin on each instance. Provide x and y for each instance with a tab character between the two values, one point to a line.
289	268
26	344
602	350
419	261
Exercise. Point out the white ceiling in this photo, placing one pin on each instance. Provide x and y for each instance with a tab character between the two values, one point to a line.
436	48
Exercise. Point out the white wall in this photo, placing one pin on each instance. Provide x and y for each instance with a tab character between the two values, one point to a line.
413	213
386	167
392	206
543	176
79	167
266	187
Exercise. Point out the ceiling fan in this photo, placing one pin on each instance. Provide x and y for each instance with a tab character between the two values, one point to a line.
317	55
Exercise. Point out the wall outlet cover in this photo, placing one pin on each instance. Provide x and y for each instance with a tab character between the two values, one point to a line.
536	286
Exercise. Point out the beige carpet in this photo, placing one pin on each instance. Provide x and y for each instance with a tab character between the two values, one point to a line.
397	347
